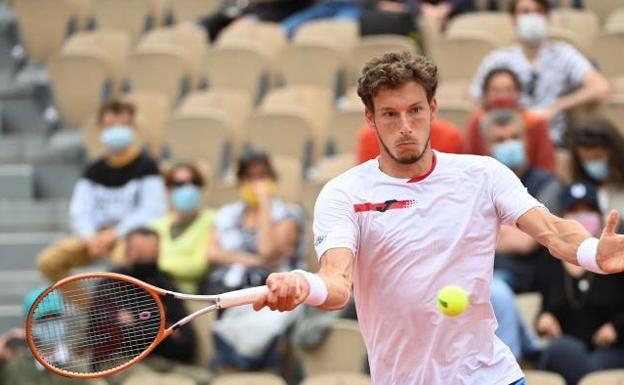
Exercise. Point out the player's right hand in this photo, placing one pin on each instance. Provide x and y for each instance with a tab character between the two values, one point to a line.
286	292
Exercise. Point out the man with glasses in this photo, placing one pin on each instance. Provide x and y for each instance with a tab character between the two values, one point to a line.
555	76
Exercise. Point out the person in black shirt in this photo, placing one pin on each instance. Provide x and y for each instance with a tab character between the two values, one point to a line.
581	311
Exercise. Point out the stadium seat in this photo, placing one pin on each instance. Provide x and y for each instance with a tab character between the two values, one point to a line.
338	379
312	64
83	13
538	377
160	68
135	17
248	379
290	177
560	34
615	110
111	46
282	133
188	10
245	68
604	377
330	167
458	58
606	50
153	112
43	26
200	136
603	8
344	127
343	350
529	306
615	21
190	40
79	85
584	23
373	46
325	32
455	111
265	37
498	25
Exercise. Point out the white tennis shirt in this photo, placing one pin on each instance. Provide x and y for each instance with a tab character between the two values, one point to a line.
412	237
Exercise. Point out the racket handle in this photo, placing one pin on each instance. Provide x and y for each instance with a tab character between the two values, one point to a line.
241	297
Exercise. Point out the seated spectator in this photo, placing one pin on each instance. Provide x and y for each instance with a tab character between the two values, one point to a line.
323	9
581	311
257	234
17	365
263	10
184	231
517	254
445	137
598	157
174	353
501	90
555	77
116	194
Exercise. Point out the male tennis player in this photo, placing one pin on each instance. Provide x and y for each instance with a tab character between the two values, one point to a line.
403	225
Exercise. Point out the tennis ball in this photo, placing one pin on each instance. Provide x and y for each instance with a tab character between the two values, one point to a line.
452	300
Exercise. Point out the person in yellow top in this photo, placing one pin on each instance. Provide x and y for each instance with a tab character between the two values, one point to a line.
186	230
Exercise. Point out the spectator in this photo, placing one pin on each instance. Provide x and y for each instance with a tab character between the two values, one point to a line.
517	254
555	77
257	234
445	137
177	351
501	90
117	193
323	9
264	10
598	157
17	365
185	231
581	311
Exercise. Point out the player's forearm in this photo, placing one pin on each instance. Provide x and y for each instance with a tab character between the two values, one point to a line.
562	237
592	90
338	291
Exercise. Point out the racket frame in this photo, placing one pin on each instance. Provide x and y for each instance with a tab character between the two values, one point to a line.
222	301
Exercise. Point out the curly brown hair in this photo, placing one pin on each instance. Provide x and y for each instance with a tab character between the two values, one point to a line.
392	71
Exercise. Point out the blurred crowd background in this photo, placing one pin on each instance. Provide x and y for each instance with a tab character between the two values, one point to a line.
184	142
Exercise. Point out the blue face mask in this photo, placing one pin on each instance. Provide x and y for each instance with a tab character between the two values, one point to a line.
117	137
186	198
510	153
597	169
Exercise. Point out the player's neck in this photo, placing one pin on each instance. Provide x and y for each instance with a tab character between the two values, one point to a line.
395	169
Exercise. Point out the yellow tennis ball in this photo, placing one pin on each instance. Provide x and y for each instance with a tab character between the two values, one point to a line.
452	300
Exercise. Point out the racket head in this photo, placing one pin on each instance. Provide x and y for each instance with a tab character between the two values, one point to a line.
96	324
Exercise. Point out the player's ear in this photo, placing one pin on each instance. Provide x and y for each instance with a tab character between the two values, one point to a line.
433	106
370	119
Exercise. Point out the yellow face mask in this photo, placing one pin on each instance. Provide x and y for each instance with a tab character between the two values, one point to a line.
249	196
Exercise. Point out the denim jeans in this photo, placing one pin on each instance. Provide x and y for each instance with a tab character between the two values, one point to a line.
327	9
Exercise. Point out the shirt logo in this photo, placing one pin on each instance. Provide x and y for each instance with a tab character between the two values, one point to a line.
382	207
319	239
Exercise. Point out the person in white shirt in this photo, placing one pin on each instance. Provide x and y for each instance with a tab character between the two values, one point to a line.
402	226
555	76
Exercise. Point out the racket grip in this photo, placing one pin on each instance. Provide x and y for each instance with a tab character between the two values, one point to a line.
241	297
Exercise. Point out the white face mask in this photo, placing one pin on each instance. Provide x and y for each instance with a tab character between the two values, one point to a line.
532	28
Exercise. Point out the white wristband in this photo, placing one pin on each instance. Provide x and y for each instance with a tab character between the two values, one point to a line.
586	255
318	289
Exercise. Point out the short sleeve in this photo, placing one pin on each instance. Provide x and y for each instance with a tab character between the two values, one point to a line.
576	65
511	199
335	224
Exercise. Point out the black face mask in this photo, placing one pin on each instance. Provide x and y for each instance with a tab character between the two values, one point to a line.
141	270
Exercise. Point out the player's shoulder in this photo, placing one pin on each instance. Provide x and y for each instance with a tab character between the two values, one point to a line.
465	160
352	178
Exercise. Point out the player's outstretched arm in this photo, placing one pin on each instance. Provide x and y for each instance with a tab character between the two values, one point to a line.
569	241
329	289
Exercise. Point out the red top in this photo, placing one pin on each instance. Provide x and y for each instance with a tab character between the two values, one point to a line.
445	137
539	147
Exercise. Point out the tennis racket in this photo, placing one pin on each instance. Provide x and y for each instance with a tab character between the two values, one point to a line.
96	324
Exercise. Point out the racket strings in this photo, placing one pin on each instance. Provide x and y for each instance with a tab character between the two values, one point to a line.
96	324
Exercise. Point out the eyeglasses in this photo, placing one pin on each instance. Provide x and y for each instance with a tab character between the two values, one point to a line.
532	84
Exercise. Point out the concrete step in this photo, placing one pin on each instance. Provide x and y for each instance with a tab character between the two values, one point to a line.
16	181
50	215
19	251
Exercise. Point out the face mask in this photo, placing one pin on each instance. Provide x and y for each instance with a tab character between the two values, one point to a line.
597	169
49	333
590	220
510	153
117	137
186	198
503	102
249	196
532	28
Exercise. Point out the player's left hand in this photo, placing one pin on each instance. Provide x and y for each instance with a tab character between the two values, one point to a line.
610	255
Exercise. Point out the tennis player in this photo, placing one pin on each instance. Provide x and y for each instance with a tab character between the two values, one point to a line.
401	226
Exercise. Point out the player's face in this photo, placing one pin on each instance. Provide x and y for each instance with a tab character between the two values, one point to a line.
402	119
